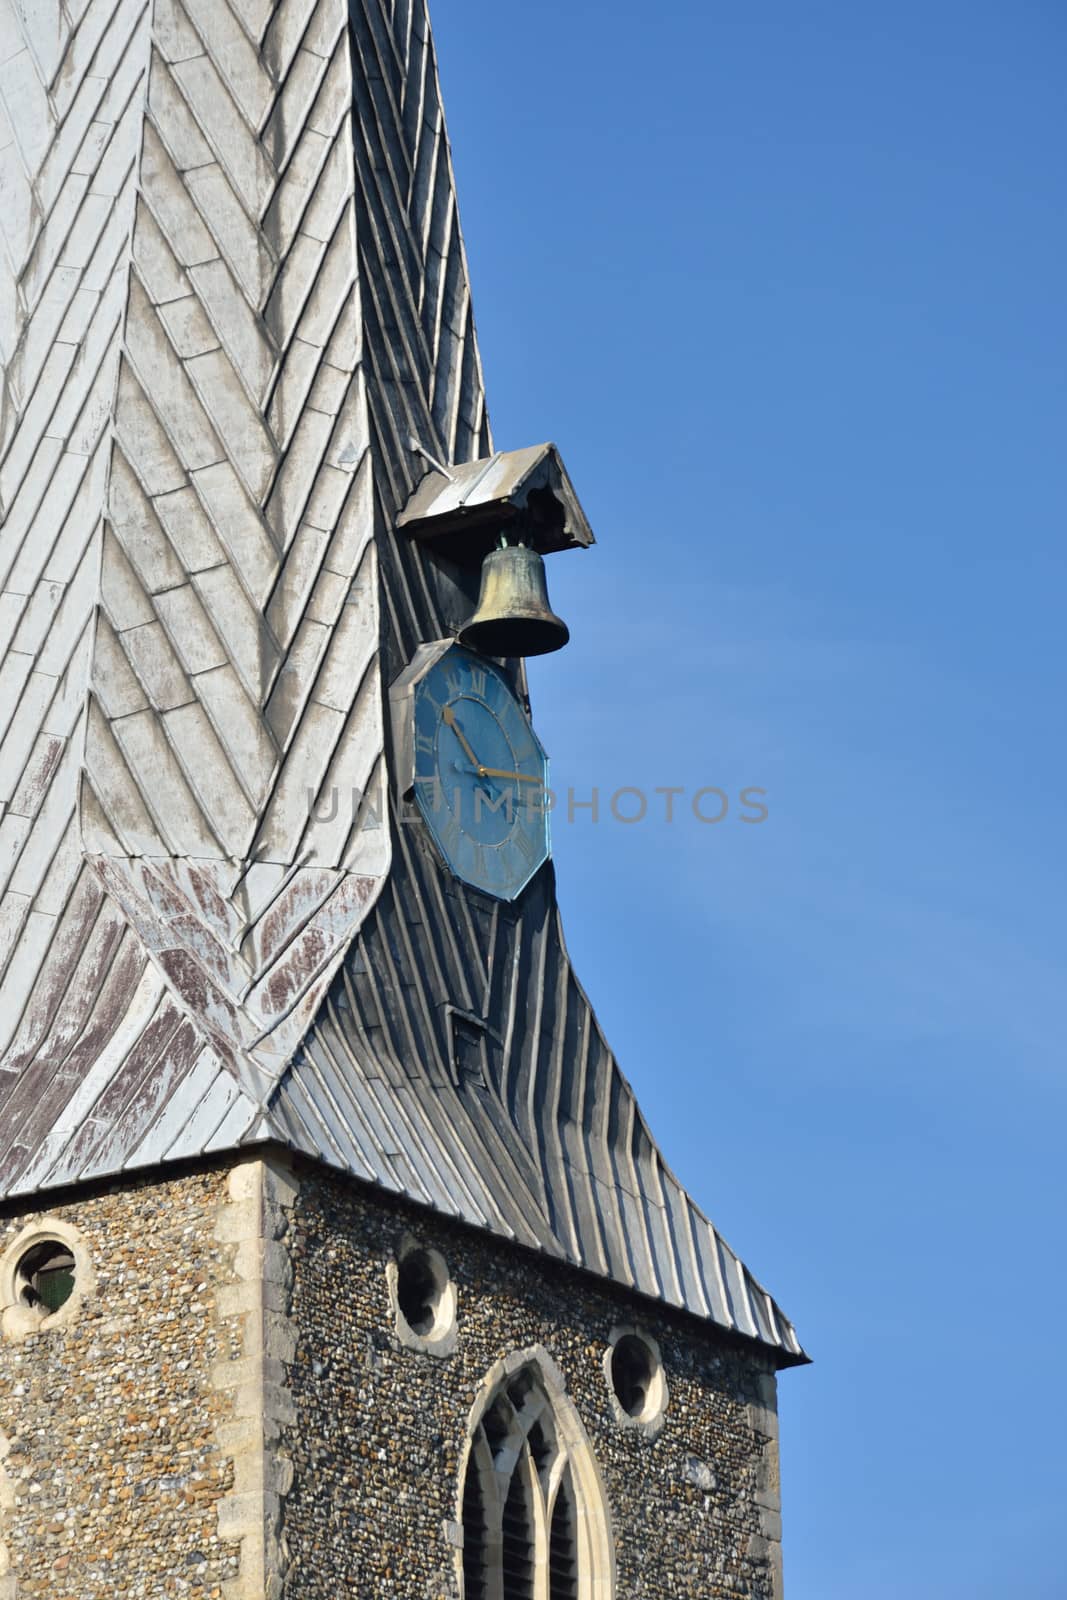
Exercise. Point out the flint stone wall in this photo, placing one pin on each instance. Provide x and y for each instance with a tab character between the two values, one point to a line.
112	1472
231	1414
378	1428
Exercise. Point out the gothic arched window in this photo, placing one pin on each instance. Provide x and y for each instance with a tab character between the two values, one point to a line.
535	1524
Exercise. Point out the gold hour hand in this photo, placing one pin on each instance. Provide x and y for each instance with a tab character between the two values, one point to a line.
450	719
516	777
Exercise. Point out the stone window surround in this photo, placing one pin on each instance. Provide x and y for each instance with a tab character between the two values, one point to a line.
649	1421
19	1320
443	1337
597	1574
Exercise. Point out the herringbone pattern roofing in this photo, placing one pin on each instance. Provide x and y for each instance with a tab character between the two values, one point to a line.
233	289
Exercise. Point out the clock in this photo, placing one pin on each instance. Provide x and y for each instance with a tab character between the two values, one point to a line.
481	774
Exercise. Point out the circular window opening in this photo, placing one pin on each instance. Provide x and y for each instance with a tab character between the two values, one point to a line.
46	1276
632	1374
418	1292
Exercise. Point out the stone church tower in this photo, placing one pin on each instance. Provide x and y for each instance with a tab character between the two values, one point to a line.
336	1258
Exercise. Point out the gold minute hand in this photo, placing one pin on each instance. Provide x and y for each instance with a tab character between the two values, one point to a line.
450	718
517	777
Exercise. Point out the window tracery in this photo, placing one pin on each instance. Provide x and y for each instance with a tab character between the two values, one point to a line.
535	1523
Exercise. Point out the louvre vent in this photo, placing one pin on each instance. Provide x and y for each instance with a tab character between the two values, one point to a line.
563	1549
497	1426
475	1536
525	1536
543	1450
469	1051
518	1539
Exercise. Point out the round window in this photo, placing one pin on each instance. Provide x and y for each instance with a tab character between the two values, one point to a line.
46	1272
634	1370
423	1299
631	1374
46	1276
418	1292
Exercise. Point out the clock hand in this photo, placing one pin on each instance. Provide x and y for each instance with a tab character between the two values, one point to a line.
517	777
496	772
450	719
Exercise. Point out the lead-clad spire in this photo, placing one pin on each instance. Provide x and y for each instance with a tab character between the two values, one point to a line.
233	292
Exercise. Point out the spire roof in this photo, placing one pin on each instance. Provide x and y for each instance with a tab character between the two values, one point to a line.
233	292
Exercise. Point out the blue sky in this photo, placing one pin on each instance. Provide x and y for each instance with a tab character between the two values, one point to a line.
786	284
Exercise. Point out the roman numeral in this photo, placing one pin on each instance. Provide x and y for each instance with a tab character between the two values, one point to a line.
525	846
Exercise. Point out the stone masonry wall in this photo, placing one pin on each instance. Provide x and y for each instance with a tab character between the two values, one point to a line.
111	1470
376	1428
227	1410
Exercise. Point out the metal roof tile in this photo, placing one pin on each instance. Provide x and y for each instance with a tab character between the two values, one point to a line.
227	963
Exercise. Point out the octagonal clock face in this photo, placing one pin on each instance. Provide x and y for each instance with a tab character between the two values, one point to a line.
481	775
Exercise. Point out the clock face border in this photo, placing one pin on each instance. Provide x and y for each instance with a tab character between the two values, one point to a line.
494	845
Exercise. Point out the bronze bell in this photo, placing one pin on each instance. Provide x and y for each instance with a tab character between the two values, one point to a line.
514	617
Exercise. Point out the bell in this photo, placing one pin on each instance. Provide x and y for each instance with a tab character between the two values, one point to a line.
514	617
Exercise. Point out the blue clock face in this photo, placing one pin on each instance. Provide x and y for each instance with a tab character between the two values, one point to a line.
481	776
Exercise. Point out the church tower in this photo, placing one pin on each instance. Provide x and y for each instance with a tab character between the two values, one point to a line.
336	1258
